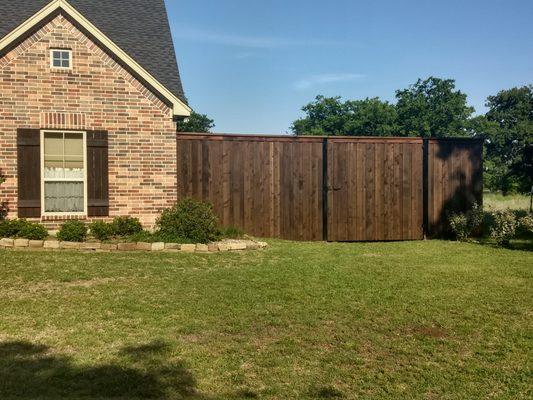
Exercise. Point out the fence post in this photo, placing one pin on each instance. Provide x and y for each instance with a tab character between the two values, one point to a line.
325	189
425	186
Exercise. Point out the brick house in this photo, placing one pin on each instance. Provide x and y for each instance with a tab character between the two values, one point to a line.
90	94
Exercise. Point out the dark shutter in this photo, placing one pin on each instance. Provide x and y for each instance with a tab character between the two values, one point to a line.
97	174
29	173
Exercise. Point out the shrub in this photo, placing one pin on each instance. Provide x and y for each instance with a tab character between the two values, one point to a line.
5	229
526	223
476	216
101	230
32	231
459	226
126	226
191	220
72	231
503	227
20	228
464	226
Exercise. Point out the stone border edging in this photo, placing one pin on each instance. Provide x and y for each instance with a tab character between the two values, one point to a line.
224	246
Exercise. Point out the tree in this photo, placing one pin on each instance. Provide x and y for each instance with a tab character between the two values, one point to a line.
196	123
331	116
433	108
508	146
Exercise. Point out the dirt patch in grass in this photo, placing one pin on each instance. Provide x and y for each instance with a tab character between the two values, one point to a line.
430	331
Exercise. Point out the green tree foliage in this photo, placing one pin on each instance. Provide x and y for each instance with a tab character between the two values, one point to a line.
433	108
332	116
429	108
200	123
509	140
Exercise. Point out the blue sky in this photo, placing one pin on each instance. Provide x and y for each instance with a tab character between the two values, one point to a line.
251	65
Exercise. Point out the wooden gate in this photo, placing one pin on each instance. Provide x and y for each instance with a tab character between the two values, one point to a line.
375	189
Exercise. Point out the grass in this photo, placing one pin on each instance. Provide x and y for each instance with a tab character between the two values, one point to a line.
413	320
499	202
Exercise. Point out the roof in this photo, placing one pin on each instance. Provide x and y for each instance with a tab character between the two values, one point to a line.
139	27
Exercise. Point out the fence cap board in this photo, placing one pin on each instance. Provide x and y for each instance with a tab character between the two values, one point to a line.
283	138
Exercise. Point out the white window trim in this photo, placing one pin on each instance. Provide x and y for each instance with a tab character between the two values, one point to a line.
69	68
85	193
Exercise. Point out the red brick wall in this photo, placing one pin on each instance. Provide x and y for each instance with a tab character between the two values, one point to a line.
98	94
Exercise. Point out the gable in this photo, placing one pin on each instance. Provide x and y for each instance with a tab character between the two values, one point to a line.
137	31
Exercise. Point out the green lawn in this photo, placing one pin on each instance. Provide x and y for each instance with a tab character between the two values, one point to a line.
412	320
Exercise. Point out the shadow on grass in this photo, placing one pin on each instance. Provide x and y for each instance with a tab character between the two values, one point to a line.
29	371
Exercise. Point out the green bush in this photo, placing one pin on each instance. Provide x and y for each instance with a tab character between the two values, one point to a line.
526	223
32	231
101	230
5	229
191	220
20	228
503	227
126	226
72	231
465	225
459	226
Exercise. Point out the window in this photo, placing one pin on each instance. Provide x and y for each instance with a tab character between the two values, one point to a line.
64	173
61	59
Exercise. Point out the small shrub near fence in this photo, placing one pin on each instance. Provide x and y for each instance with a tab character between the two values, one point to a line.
73	231
504	227
190	219
464	226
501	226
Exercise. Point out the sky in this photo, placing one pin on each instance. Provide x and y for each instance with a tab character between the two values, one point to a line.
252	65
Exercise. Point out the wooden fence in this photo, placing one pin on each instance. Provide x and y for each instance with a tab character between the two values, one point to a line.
336	189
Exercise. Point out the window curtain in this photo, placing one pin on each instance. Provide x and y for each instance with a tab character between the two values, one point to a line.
63	196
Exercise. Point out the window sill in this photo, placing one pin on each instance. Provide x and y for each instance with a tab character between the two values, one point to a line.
66	217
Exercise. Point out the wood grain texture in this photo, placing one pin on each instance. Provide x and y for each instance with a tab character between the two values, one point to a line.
376	190
268	187
353	189
455	180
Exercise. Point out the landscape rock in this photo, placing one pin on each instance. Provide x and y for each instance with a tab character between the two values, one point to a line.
237	246
223	246
108	247
188	248
141	246
158	246
172	246
127	246
5	242
91	246
51	244
69	245
22	242
36	244
202	248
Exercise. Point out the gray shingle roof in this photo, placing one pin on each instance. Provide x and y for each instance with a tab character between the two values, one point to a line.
139	27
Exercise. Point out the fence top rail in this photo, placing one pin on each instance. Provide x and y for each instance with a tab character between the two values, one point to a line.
314	139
